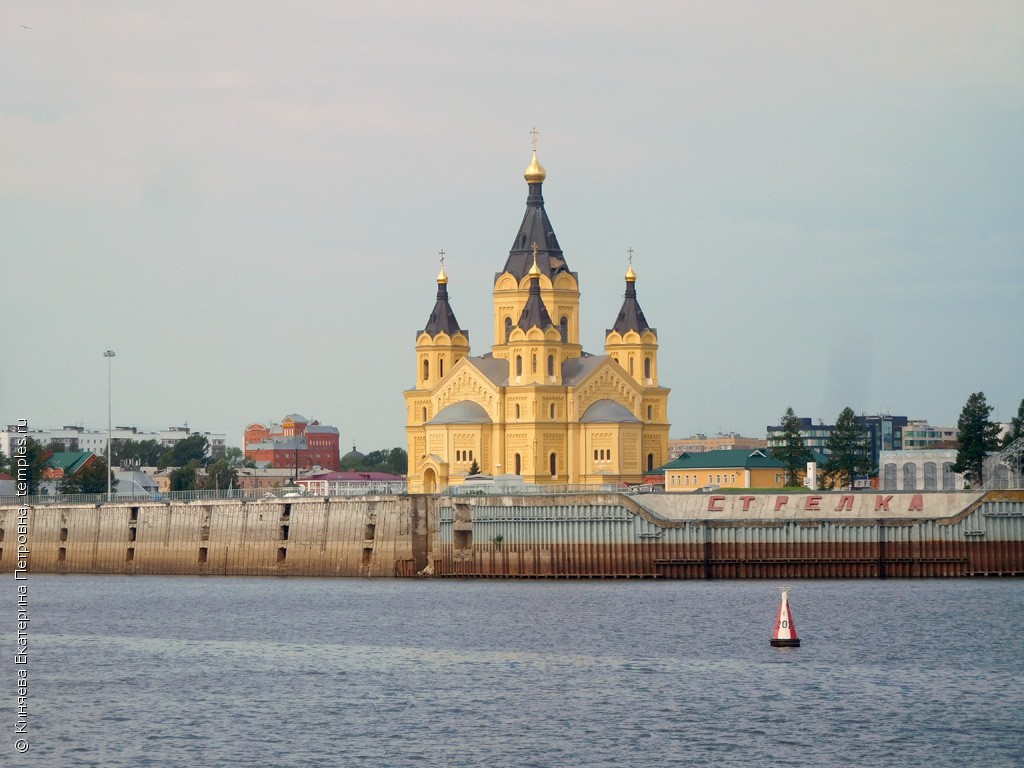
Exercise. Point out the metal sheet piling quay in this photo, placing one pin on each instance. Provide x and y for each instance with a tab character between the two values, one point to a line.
699	536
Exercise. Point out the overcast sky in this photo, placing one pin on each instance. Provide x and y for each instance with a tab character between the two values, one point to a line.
825	201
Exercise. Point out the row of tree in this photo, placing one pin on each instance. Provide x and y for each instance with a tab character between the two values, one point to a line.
850	447
193	467
392	460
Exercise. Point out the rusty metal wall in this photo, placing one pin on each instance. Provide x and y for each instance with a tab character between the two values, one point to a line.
544	538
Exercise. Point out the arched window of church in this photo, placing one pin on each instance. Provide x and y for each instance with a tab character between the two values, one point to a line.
630	365
563	328
553	464
440	367
426	370
533	363
519	365
647	367
552	411
649	412
595	454
517	415
508	328
424	413
470	455
519	464
551	365
650	461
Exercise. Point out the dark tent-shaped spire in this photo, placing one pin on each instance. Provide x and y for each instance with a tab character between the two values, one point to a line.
631	317
442	318
535	229
535	314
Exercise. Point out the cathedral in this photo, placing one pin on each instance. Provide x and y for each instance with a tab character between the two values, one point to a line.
537	405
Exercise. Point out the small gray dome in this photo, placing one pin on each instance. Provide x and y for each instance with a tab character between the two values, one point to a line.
607	411
353	456
462	412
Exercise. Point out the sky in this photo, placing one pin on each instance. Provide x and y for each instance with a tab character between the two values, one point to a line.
825	201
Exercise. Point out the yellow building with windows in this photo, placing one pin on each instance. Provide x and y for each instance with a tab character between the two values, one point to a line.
537	405
731	468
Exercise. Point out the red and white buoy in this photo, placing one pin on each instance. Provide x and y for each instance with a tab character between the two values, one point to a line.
785	630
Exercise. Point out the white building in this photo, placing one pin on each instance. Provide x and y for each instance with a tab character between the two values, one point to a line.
76	438
919	470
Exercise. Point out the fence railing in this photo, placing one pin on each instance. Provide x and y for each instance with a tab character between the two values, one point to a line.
1005	469
338	489
517	489
321	489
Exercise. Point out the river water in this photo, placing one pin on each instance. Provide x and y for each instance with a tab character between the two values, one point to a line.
194	671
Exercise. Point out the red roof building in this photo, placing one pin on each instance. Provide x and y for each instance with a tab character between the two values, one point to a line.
294	443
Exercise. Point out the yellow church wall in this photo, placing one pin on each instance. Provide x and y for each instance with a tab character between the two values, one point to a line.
561	300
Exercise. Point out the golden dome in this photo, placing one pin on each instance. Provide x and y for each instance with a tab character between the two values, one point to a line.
534	270
535	173
442	278
630	275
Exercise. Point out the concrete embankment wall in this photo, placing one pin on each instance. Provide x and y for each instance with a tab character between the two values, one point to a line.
579	536
368	536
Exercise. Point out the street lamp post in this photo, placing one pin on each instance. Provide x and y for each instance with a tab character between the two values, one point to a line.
108	354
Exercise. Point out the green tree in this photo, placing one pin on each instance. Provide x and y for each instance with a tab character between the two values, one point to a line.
398	461
55	446
849	446
29	465
142	453
235	457
474	468
375	461
220	476
395	461
186	477
793	451
1016	427
91	479
978	437
192	448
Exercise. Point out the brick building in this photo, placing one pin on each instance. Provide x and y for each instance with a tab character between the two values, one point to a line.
295	442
